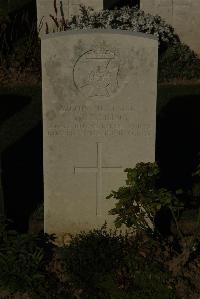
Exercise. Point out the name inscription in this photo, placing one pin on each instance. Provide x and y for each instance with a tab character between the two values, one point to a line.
99	120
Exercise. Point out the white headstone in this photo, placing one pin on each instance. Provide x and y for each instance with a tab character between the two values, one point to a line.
176	13
99	116
70	8
163	8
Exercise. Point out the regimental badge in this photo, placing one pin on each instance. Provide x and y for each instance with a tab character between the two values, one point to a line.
95	73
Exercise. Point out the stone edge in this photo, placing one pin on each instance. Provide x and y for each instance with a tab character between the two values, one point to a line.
90	31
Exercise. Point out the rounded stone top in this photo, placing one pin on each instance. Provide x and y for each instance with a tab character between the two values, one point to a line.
103	31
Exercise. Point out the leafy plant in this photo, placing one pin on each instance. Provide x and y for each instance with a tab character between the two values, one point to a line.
23	261
105	265
179	254
142	273
140	200
90	257
125	18
19	42
178	62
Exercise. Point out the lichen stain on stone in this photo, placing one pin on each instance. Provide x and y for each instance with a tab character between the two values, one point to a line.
53	68
51	115
79	48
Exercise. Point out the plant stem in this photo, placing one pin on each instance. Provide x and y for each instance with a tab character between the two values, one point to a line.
176	222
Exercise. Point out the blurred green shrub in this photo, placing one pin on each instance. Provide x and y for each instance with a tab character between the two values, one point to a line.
125	18
178	62
23	259
90	257
141	199
103	265
19	41
25	266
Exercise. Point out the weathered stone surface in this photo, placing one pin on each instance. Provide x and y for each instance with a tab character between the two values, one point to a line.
99	115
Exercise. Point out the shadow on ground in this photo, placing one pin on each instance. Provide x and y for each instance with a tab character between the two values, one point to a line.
11	104
22	178
178	140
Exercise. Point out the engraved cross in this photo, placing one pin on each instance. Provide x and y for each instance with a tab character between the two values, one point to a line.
99	170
